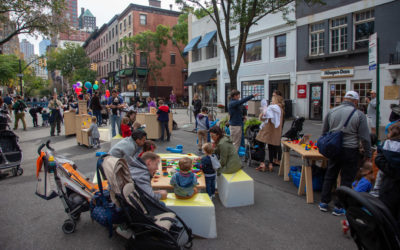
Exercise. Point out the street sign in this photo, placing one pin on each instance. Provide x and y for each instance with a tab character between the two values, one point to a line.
372	51
20	75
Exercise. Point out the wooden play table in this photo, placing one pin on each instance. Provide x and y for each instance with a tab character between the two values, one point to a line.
308	158
162	182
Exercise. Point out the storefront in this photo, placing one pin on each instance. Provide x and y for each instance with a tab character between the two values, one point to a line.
204	83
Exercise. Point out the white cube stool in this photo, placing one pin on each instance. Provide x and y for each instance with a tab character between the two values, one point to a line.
198	213
236	190
104	134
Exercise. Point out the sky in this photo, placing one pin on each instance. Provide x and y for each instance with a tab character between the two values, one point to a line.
103	10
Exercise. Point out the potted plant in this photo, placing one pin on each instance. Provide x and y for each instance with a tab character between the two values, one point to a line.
221	107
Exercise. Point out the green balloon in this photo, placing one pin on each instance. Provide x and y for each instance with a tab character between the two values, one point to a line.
95	87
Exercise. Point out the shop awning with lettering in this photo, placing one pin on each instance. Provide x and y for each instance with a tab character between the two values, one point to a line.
206	39
191	44
200	77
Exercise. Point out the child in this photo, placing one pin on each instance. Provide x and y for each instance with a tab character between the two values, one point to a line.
45	118
125	128
184	181
363	183
202	125
33	112
163	118
208	168
148	146
137	125
94	133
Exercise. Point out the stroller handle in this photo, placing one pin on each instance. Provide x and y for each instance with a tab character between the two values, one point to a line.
40	148
48	145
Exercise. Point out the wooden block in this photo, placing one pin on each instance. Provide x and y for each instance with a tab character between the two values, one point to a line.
69	122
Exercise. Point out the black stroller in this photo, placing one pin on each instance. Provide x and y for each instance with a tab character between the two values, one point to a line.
149	225
255	150
372	226
10	152
104	116
294	132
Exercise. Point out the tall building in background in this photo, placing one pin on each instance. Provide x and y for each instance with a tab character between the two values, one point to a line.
27	48
71	12
43	46
87	21
12	46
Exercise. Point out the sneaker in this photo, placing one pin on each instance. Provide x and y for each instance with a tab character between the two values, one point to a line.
338	211
323	207
345	226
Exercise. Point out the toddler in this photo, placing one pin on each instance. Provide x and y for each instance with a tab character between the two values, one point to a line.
184	181
125	128
209	163
137	125
33	112
45	118
94	133
148	146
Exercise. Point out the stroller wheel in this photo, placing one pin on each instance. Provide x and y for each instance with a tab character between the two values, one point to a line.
188	245
69	226
76	216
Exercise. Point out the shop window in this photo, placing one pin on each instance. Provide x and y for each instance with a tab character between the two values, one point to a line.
252	87
143	19
253	51
338	34
362	88
364	23
317	33
196	55
280	46
211	49
336	93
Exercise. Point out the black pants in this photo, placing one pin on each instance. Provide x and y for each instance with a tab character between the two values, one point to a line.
164	126
53	126
195	113
273	153
35	120
347	165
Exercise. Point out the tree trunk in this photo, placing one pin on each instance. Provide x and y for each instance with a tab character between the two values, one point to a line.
233	79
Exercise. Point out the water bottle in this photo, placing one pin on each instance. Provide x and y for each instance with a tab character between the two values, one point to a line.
52	164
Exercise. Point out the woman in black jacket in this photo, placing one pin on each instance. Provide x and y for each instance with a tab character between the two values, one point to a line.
196	105
95	106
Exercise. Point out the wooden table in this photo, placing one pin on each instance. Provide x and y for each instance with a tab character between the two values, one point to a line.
308	158
162	182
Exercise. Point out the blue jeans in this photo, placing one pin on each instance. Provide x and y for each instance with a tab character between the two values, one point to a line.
115	119
210	185
97	113
164	126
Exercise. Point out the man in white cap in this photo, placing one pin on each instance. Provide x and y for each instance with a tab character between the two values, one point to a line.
347	163
371	111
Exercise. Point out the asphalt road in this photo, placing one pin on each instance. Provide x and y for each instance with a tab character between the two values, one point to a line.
279	219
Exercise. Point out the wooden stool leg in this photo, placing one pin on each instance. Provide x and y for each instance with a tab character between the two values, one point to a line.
302	184
286	164
309	186
282	165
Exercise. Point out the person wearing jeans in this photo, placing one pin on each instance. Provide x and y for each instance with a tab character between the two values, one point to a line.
163	118
96	107
208	169
115	103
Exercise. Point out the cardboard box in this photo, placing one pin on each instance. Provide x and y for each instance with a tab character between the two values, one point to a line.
85	137
81	122
254	108
153	128
82	105
69	122
392	92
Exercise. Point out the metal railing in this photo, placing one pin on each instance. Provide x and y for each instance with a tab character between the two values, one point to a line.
394	58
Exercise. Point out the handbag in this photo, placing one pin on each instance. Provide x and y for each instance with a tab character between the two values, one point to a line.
330	144
102	209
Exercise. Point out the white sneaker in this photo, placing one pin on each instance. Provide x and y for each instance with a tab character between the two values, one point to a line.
126	233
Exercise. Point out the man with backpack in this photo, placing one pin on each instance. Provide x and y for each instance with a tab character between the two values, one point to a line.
346	162
19	111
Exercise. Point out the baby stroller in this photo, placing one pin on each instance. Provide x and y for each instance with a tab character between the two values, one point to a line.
104	116
371	224
57	176
294	132
255	150
10	152
149	225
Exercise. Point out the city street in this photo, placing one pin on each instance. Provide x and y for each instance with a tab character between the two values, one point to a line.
279	219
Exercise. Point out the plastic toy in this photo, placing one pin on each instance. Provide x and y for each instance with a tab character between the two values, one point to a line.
165	173
175	150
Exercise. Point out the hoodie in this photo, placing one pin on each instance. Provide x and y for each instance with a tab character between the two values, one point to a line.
202	122
141	176
163	113
184	183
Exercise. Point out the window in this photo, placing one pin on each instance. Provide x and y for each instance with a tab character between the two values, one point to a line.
364	23
253	51
317	33
196	55
233	54
252	87
143	59
116	47
124	24
211	49
129	20
337	92
280	46
143	19
116	29
113	49
172	59
130	34
113	33
362	88
120	28
338	34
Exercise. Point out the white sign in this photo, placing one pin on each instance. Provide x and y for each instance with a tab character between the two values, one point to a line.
372	51
337	72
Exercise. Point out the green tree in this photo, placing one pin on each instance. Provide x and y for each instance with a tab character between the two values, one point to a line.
149	44
72	62
9	68
241	15
179	36
32	83
33	17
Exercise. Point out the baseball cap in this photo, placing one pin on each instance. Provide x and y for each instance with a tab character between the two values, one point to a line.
352	95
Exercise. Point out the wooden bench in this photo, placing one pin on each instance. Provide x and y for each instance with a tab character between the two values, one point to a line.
236	190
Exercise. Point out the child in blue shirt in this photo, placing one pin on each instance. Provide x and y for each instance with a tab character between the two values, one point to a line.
184	182
209	169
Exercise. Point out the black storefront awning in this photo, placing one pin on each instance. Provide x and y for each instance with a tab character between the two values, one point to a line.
200	77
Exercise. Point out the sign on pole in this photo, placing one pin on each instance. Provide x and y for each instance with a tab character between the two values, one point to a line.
372	49
20	75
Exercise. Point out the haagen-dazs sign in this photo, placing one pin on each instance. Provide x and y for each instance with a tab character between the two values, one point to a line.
337	72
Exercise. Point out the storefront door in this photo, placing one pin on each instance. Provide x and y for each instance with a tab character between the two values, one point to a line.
315	101
282	85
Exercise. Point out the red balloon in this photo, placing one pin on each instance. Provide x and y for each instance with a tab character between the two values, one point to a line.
78	89
107	93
